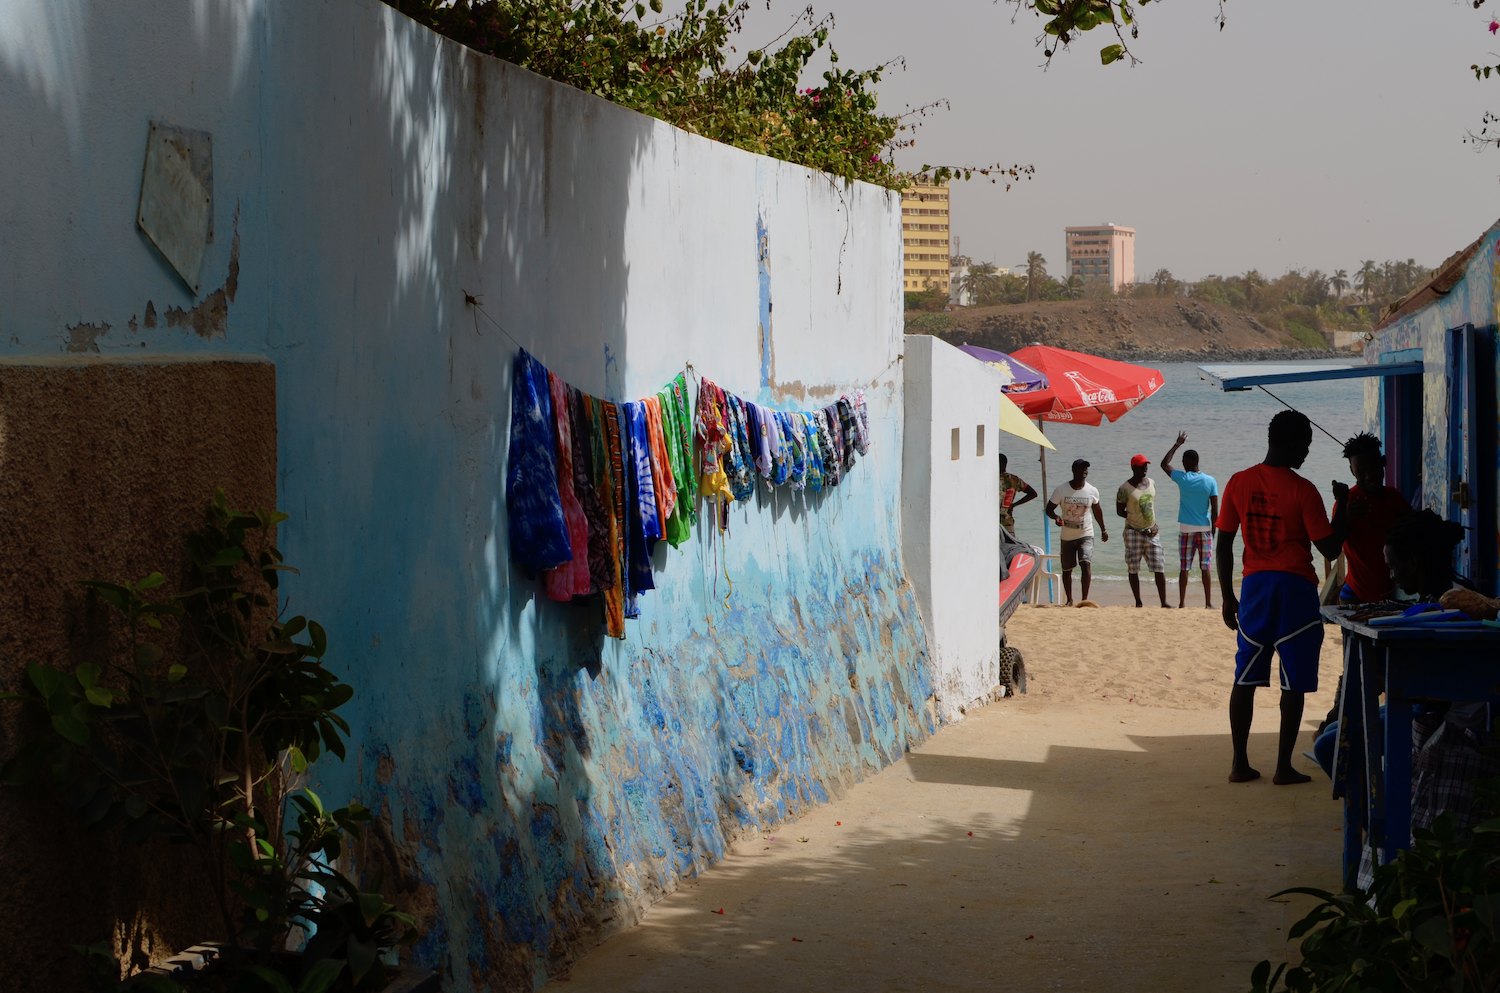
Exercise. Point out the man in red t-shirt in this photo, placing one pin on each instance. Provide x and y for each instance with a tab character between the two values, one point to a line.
1373	508
1277	612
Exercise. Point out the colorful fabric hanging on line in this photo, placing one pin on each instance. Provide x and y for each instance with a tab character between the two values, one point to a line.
538	532
592	486
571	578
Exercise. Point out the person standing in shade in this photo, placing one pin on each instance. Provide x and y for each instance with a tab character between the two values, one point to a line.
1077	500
1373	508
1197	508
1283	517
1014	491
1135	501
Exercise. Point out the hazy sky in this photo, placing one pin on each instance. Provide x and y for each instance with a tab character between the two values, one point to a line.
1305	134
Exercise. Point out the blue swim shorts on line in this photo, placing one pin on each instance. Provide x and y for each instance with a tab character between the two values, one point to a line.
1279	616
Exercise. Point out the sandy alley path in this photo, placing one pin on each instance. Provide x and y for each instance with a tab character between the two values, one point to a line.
1107	853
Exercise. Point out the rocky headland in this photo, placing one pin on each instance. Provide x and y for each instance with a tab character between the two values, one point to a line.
1130	330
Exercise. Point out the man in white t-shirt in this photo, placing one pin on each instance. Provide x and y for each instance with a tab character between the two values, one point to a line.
1070	508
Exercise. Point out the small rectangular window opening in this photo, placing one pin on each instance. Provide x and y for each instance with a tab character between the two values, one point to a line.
956	443
979	441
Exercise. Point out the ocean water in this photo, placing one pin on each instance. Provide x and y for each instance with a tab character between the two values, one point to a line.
1228	430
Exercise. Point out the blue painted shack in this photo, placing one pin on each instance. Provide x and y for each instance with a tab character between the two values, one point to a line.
1438	419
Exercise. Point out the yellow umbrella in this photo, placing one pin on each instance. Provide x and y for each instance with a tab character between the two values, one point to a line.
1012	421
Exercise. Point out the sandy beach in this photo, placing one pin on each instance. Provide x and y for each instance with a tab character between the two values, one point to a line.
1080	837
1146	657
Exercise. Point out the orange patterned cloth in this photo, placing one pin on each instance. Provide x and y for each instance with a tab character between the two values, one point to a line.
609	481
661	465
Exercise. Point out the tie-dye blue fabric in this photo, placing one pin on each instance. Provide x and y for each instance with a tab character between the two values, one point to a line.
538	532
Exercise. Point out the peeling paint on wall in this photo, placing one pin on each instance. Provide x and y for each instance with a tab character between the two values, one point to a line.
85	337
763	283
210	319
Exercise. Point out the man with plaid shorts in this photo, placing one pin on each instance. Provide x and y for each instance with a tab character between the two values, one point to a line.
1197	509
1135	501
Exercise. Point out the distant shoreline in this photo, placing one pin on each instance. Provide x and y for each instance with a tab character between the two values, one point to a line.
1215	356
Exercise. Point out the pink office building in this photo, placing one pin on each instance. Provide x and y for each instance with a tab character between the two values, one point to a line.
1102	253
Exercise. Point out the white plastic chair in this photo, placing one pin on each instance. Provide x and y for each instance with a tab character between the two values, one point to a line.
1042	574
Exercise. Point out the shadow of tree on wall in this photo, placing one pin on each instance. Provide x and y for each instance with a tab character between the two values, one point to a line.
588	775
541	787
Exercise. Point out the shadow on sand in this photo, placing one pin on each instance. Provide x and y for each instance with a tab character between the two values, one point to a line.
1106	869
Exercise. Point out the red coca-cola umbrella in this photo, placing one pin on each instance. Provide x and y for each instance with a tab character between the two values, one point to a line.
1083	389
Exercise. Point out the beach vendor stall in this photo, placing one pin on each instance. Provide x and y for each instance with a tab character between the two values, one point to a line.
1417	655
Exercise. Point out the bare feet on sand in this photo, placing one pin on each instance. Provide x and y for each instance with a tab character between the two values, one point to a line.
1244	775
1289	777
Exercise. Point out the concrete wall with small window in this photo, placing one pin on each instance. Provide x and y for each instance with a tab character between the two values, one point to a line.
950	525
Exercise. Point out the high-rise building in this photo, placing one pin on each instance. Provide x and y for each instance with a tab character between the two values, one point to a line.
924	237
1103	253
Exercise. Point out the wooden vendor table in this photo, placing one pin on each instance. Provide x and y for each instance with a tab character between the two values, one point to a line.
1371	771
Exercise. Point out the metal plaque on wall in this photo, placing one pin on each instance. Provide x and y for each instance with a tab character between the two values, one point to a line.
176	207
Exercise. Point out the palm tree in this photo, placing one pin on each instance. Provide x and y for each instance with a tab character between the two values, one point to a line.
1166	284
1316	287
1338	282
980	283
1252	280
1074	287
1011	288
1036	273
1367	278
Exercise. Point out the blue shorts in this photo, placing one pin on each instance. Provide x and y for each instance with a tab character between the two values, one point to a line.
1279	616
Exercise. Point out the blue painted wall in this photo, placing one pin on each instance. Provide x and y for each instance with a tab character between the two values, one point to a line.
1472	300
543	783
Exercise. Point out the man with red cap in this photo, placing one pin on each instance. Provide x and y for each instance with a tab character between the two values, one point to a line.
1136	502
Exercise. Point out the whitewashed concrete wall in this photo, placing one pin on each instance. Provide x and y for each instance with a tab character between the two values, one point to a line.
950	529
543	784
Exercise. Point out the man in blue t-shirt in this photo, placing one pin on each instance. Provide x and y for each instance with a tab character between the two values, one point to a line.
1197	509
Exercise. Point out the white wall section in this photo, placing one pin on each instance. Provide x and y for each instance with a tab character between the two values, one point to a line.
950	528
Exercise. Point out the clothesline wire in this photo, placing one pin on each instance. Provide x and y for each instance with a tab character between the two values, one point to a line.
478	305
689	372
1290	407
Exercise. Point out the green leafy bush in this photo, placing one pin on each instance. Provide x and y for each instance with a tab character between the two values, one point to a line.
209	751
930	323
684	69
1429	921
1304	335
930	300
